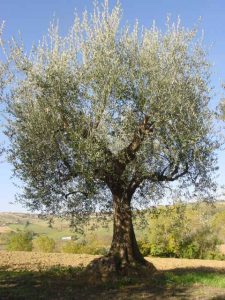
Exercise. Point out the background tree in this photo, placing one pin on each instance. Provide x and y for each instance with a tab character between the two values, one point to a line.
44	244
106	111
20	241
182	231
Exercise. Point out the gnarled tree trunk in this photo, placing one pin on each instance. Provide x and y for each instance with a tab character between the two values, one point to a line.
124	245
124	257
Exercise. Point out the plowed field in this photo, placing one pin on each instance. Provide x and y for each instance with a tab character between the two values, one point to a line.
33	261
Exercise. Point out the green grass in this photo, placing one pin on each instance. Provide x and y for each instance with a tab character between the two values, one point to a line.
211	279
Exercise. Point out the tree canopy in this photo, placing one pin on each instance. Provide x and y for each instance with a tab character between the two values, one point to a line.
108	109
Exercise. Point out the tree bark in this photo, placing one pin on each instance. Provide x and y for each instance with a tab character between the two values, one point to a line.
124	245
124	257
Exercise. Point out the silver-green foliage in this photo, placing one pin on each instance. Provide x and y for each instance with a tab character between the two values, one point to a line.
108	107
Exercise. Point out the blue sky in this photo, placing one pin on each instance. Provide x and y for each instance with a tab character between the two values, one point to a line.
32	18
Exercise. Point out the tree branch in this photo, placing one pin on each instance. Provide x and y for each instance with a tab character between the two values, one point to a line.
158	177
174	175
145	128
76	192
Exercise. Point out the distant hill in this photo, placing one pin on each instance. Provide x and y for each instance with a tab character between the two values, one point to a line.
57	229
213	213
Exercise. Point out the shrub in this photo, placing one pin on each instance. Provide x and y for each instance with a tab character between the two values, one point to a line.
71	247
44	244
99	251
144	247
20	241
200	244
172	234
83	248
4	238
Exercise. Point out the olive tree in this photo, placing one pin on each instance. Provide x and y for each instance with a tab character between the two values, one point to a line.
106	112
4	74
221	108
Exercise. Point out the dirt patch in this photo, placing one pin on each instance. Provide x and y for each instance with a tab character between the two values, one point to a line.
4	229
174	263
221	248
34	261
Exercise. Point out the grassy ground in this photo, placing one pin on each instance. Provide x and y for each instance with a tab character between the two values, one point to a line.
63	283
25	276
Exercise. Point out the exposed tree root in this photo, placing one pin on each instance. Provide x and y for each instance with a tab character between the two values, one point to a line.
110	268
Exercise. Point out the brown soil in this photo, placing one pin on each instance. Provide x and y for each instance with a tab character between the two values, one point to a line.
222	248
174	263
34	261
4	229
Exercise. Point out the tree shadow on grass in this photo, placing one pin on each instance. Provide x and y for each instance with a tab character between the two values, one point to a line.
61	283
